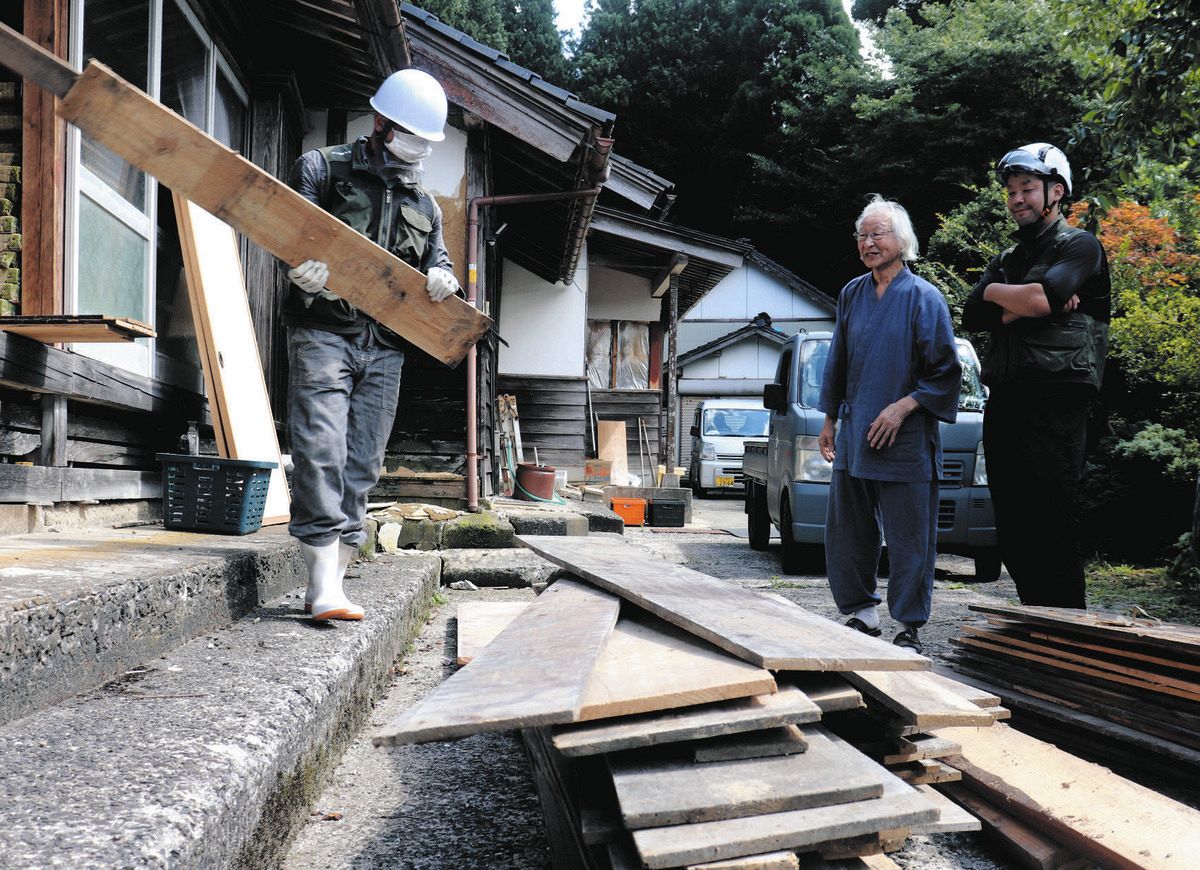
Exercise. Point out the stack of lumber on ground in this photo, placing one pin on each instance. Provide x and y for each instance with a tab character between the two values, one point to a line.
677	720
1051	809
1120	689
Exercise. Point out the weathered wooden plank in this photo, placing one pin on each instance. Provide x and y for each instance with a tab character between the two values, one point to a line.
830	692
770	861
221	181
764	743
925	771
918	700
647	665
920	746
1095	812
1028	847
756	627
788	705
899	807
480	621
514	682
951	817
654	791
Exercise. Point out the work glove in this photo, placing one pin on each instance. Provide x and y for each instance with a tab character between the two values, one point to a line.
310	276
440	283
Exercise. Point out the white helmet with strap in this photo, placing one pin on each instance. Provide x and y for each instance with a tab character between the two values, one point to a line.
1038	158
414	100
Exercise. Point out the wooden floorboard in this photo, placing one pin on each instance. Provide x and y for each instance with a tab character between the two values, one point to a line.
788	705
918	698
753	626
654	791
516	681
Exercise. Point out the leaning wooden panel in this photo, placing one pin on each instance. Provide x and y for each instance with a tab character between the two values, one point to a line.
756	627
648	665
674	791
917	700
1095	812
788	705
233	372
900	807
533	673
193	164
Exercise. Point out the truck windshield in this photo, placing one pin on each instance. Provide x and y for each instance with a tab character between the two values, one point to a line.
736	422
972	396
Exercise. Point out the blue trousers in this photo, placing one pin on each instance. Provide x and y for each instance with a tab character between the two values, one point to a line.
342	394
861	512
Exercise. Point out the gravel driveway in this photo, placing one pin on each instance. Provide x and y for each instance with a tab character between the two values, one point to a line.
471	803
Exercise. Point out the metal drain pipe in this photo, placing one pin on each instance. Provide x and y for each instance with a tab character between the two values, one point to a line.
473	208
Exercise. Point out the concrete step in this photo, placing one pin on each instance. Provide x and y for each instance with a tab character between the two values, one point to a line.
209	753
77	608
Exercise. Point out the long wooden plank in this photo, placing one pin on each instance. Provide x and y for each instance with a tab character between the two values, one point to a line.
918	699
516	682
221	181
648	665
655	791
765	743
1027	846
920	746
951	817
772	861
237	388
900	807
480	621
1097	813
788	705
756	627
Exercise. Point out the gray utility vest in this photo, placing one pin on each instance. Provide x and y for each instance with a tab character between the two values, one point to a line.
398	217
1066	349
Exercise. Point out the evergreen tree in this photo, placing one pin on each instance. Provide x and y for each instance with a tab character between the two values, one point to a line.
534	41
482	20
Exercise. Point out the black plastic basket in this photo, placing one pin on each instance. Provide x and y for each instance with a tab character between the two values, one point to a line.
666	512
211	494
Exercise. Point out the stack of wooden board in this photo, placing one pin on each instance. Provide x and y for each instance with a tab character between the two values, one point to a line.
1123	689
674	719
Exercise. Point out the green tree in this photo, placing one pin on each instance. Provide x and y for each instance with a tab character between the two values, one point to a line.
534	41
697	87
482	20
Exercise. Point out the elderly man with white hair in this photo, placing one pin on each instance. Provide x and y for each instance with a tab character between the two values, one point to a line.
893	373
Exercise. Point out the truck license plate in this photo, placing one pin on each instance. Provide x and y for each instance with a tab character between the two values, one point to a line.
723	480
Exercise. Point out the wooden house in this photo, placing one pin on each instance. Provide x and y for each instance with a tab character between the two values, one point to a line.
80	423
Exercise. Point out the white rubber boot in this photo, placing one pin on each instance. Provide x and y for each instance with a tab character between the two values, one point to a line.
346	553
325	583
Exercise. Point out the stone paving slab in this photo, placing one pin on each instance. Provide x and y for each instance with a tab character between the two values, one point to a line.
79	607
210	755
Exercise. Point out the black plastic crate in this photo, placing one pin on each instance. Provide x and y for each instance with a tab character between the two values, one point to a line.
212	494
666	512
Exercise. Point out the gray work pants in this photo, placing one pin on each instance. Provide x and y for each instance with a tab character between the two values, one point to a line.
860	513
342	393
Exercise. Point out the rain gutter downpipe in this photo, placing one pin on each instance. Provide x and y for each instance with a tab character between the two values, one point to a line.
475	204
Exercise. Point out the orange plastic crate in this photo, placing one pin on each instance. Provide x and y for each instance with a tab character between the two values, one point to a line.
631	510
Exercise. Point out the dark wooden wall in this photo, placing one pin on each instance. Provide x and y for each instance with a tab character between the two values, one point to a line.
553	417
629	405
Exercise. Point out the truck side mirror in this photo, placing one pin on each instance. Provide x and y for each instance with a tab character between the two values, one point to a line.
695	430
774	397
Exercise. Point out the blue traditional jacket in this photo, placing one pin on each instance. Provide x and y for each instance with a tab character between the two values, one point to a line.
885	348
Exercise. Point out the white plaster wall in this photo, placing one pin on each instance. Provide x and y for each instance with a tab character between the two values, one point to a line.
745	292
754	358
616	295
544	324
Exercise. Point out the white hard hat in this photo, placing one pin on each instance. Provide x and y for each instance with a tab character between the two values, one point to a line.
1037	158
413	99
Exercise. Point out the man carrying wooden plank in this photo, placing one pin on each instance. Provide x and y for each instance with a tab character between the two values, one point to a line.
345	366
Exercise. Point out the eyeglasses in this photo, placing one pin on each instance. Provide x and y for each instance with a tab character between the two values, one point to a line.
875	236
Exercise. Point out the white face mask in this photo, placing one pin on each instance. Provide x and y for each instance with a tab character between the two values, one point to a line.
408	148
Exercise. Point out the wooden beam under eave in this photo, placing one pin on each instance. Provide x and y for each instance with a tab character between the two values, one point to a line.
675	265
383	29
43	156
